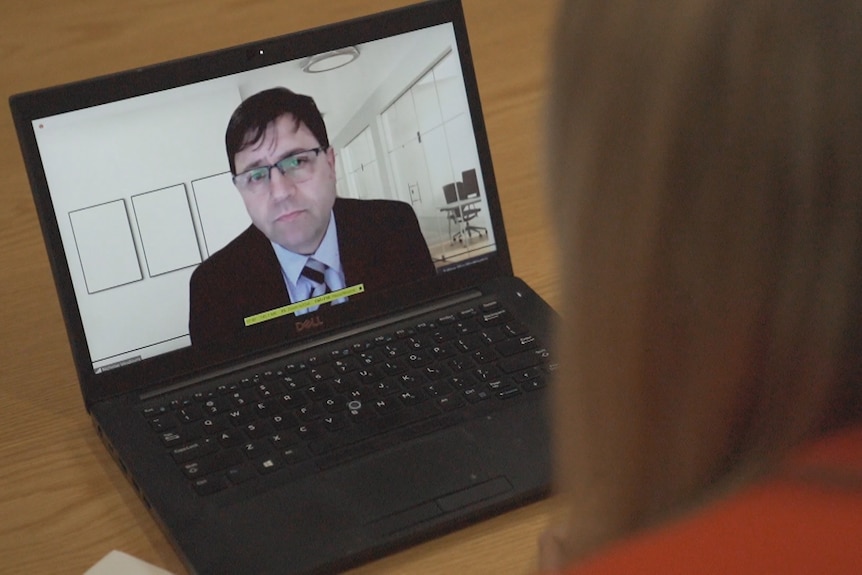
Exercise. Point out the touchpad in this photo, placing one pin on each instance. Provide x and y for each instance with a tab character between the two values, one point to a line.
440	505
427	477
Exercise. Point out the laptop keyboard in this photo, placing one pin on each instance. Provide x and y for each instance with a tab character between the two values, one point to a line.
324	410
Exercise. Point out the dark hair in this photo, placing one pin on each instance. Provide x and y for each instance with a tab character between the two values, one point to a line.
249	121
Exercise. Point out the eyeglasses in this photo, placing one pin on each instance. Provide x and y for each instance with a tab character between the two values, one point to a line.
298	168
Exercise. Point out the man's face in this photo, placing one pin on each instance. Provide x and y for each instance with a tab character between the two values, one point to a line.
295	216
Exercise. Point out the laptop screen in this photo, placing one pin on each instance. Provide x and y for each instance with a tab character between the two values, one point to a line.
165	242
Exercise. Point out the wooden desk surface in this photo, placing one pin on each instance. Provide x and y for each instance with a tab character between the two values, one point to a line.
63	502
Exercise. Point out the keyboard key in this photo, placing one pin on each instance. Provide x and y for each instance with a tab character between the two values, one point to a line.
438	389
527	375
334	422
475	394
240	474
230	437
459	364
309	431
268	465
211	463
194	450
258	429
516	345
181	402
346	365
369	375
293	455
487	373
213	425
178	437
524	361
268	408
343	383
435	372
310	412
321	373
484	356
255	449
335	404
514	329
468	313
364	395
295	381
533	384
493	335
468	344
418	359
163	422
370	357
385	406
281	440
240	417
155	411
460	381
394	367
318	391
191	413
498	385
447	320
450	402
293	399
508	393
411	381
209	485
444	351
412	397
383	388
284	421
494	317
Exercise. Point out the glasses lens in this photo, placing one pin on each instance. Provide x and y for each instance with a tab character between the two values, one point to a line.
253	179
298	167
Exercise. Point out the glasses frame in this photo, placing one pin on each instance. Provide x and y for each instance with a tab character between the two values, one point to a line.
279	165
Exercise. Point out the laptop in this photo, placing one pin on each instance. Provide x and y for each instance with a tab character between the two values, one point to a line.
331	430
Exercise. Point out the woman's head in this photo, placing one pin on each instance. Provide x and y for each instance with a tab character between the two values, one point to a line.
707	184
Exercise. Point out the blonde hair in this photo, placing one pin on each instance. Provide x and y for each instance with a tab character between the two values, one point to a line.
706	179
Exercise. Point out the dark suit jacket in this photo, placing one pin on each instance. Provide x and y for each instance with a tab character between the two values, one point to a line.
379	242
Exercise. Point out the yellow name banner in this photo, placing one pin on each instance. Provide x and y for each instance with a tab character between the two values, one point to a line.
311	302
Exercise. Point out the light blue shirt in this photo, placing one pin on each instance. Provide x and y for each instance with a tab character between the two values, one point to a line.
292	264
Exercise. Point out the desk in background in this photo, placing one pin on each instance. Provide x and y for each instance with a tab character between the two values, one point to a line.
63	503
455	214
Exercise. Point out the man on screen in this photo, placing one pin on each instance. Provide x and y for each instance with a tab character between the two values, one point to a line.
304	241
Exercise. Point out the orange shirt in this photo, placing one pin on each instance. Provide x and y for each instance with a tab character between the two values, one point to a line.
804	519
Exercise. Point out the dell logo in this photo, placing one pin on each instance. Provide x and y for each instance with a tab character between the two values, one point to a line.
310	323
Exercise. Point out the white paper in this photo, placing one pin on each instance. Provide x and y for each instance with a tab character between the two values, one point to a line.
119	563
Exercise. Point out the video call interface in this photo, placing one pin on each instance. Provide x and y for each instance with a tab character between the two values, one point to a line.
143	192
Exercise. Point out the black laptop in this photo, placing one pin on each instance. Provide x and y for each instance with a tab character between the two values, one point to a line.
321	436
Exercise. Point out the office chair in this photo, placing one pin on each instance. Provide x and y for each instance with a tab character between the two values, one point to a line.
469	188
453	215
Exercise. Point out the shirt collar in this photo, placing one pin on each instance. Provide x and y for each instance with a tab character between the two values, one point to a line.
292	263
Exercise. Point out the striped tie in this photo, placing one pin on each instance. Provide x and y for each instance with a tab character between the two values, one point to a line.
315	272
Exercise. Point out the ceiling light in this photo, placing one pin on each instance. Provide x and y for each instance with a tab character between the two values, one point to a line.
330	60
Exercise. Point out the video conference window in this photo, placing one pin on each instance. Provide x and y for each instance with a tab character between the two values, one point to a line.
290	207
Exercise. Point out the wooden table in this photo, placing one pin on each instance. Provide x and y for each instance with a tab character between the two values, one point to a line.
63	502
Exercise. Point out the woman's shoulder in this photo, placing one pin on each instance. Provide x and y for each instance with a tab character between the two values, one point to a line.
804	518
